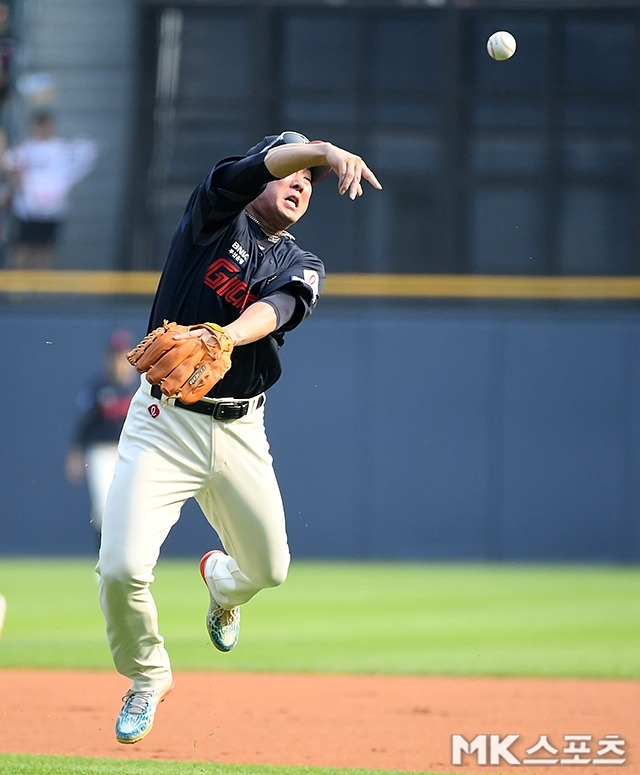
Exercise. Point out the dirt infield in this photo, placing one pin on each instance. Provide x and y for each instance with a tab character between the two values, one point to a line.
388	723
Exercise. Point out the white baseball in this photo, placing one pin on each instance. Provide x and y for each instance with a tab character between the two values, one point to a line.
501	45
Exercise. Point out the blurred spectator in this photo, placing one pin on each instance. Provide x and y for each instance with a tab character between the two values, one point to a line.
5	202
7	52
7	57
43	169
103	405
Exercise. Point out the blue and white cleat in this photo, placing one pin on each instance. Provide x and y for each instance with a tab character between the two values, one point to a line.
223	625
135	720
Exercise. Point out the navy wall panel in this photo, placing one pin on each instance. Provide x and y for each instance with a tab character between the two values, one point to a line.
398	431
563	426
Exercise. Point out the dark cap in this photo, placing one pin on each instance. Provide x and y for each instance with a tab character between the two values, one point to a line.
273	141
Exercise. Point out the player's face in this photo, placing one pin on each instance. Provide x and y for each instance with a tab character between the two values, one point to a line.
284	201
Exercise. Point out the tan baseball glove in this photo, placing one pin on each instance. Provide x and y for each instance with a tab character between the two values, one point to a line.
183	368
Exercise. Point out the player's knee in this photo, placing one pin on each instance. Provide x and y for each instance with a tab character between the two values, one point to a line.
275	574
120	576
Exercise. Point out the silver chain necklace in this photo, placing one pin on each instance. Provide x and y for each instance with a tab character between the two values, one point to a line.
272	236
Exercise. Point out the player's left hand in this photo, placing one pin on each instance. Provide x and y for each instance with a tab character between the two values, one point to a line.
198	332
184	366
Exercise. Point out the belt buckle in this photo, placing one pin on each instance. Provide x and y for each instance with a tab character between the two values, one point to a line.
229	410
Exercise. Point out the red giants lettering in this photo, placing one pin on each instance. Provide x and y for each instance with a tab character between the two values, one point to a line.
222	277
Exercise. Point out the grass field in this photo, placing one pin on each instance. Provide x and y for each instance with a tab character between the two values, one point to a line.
51	765
339	617
438	619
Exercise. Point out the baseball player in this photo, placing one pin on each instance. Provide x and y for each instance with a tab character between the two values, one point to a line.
104	404
235	275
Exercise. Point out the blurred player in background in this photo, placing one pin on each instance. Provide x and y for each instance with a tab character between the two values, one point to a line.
103	405
3	611
43	169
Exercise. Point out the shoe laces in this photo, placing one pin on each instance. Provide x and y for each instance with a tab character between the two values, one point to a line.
226	616
137	703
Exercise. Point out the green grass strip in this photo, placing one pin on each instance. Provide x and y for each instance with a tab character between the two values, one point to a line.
390	618
19	764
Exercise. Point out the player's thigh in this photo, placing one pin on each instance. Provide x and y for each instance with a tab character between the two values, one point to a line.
244	504
153	478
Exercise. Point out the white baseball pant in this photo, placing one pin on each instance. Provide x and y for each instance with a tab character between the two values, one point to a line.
166	455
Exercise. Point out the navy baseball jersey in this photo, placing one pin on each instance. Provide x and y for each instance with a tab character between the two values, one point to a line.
220	261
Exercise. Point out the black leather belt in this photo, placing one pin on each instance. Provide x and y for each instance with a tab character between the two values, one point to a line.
218	408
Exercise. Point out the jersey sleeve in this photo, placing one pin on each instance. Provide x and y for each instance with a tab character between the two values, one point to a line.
241	175
284	305
303	279
228	189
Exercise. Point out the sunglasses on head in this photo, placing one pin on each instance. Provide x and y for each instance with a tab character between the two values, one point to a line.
293	137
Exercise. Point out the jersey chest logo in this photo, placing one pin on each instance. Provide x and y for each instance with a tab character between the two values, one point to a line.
222	277
238	253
